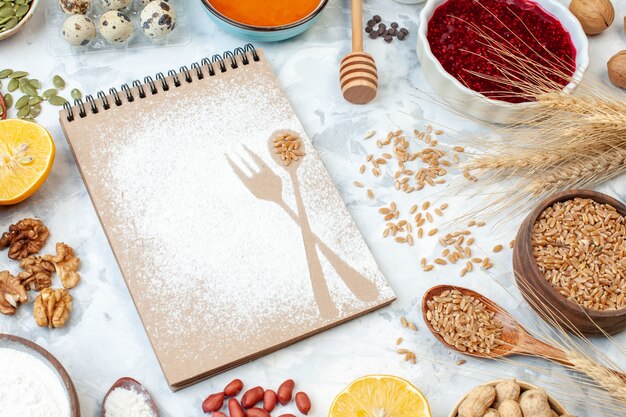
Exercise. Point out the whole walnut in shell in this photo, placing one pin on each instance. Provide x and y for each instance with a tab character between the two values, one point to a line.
594	15
12	293
24	238
52	307
66	264
617	69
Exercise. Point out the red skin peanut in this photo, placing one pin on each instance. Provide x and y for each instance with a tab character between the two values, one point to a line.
303	403
218	414
269	400
213	402
257	412
234	409
252	397
233	388
285	391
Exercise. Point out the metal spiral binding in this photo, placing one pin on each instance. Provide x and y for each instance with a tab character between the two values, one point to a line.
205	68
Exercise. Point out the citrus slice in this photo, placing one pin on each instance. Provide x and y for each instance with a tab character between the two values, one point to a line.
380	396
26	156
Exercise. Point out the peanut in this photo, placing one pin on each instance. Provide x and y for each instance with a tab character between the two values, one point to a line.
534	403
303	403
233	388
506	390
477	401
285	391
286	415
509	408
269	400
257	412
234	408
492	412
252	397
218	414
213	402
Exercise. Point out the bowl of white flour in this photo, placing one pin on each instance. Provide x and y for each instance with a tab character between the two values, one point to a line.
32	382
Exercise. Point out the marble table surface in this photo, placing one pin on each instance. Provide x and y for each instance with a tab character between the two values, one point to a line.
105	340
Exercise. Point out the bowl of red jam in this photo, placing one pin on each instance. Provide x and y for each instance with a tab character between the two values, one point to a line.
484	56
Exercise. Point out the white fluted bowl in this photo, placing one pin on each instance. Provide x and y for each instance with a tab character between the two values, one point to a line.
476	105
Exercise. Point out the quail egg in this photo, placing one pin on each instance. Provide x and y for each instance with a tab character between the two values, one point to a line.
115	4
115	27
75	6
79	30
157	19
144	3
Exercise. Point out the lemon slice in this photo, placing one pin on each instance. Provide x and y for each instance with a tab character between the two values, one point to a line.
26	156
380	396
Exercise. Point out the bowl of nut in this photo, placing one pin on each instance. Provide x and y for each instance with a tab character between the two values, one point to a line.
570	261
507	397
14	15
37	380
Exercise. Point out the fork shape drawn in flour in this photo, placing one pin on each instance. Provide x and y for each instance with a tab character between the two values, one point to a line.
265	184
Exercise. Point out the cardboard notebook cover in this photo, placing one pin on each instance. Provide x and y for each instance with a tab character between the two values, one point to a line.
228	253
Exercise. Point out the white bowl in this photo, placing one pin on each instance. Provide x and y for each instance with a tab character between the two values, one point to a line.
467	101
33	7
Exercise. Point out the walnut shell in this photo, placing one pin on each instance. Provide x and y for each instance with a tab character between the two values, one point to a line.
617	69
594	15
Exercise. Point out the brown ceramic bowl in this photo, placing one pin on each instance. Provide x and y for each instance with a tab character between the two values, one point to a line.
25	19
542	296
556	406
24	345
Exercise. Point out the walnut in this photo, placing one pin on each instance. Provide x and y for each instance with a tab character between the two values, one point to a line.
37	273
25	237
52	307
12	293
66	264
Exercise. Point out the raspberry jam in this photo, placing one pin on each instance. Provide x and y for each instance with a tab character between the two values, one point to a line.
455	38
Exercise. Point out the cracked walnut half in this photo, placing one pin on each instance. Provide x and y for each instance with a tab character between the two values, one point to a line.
12	293
37	273
52	307
24	238
66	263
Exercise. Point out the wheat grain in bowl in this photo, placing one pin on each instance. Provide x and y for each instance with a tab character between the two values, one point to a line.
464	322
580	247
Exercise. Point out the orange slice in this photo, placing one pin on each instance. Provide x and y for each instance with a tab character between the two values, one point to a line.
26	156
380	396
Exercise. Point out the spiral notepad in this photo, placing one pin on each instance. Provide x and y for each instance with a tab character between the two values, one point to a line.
228	252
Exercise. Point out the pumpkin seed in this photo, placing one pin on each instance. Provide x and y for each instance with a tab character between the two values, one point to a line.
7	11
35	83
5	73
35	110
28	89
5	19
76	94
21	102
8	100
22	10
23	82
49	93
58	82
34	100
23	112
11	23
13	85
57	100
18	74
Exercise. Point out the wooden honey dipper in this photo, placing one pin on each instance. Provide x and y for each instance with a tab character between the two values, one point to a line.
358	76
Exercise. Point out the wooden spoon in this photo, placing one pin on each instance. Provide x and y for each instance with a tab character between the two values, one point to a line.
131	385
358	75
517	340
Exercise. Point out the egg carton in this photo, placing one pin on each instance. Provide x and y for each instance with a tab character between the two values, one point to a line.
58	47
